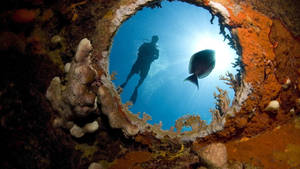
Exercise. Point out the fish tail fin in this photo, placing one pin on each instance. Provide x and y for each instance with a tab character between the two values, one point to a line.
193	78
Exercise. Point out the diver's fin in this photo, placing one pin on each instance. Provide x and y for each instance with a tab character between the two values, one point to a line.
123	85
193	78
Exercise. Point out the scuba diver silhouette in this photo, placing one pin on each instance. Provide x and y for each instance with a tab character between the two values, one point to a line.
147	53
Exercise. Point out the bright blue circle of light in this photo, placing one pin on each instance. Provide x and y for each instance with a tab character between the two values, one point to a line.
183	30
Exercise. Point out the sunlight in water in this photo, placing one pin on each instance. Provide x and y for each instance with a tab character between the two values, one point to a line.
223	51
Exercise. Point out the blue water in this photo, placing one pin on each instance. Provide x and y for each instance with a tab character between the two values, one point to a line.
183	30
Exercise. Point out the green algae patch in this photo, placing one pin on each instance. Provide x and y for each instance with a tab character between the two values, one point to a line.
87	150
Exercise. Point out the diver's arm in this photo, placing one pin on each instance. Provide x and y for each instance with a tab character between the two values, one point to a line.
156	55
141	47
140	50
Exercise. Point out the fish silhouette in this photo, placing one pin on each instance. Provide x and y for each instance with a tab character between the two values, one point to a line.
201	65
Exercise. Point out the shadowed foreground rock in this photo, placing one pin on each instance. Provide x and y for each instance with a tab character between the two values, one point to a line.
213	155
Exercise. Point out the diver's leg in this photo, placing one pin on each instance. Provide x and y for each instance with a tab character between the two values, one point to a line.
127	79
134	96
142	79
135	92
143	76
132	72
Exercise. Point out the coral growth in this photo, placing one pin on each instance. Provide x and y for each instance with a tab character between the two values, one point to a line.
232	81
223	101
193	121
75	99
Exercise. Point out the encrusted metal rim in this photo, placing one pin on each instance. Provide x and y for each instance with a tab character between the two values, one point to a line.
87	87
130	123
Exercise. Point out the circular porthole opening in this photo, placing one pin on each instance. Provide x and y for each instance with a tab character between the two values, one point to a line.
151	57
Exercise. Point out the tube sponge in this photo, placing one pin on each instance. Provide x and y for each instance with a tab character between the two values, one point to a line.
83	50
76	98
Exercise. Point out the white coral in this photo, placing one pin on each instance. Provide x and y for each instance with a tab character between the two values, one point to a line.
83	50
75	99
91	127
77	131
219	8
272	106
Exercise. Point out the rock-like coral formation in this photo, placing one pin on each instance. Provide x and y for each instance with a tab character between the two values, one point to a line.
75	99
